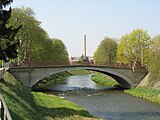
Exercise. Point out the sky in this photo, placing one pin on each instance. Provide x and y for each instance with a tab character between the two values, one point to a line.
70	20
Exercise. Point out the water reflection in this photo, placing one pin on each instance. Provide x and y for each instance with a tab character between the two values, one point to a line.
75	83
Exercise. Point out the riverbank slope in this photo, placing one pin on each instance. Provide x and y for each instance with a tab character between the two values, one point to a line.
26	105
145	92
103	79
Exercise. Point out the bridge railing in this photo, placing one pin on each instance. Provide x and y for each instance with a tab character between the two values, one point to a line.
51	64
39	64
4	112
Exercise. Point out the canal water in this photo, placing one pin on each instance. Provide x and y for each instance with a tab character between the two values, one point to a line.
105	102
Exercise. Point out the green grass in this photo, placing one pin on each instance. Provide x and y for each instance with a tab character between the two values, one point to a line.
102	79
26	105
150	94
59	108
19	100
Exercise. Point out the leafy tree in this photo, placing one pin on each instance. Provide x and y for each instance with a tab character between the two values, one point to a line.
125	53
134	47
106	51
155	45
59	51
36	46
8	42
154	63
31	31
35	43
140	40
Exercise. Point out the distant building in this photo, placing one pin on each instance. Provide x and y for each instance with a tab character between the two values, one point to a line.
91	59
80	60
74	60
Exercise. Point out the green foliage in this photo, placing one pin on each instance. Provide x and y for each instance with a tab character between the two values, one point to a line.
8	42
154	63
124	51
146	93
106	52
134	47
60	51
26	105
32	36
35	44
102	79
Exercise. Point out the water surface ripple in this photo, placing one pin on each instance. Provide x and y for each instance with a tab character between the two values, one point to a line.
105	102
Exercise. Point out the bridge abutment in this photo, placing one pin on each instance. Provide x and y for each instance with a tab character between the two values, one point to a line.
23	75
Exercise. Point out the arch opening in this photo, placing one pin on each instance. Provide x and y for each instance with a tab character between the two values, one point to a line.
122	82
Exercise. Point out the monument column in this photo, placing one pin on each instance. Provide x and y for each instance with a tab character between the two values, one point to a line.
84	47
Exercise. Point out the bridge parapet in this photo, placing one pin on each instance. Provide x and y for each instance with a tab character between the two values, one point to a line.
53	64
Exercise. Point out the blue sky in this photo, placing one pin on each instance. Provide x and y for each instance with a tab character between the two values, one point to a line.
69	20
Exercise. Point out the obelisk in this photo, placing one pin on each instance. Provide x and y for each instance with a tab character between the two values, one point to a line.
84	47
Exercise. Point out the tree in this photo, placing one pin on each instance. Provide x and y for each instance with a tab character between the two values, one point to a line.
31	31
154	62
35	43
36	46
8	42
134	47
155	45
106	51
59	51
124	51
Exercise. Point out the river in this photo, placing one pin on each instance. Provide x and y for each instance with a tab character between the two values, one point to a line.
105	102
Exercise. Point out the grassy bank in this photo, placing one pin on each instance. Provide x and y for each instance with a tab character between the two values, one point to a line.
57	108
150	94
26	105
102	79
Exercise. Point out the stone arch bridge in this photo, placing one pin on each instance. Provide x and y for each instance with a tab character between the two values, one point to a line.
126	77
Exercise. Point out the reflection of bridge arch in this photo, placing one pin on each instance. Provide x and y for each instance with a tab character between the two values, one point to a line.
124	76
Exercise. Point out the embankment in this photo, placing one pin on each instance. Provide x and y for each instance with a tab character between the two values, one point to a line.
145	92
102	79
148	89
26	105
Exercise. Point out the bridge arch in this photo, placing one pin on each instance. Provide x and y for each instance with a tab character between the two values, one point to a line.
123	80
124	76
